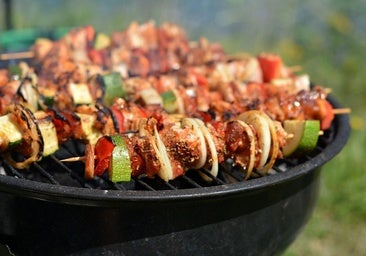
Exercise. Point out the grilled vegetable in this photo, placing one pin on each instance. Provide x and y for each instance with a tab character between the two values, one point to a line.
170	101
80	93
267	137
89	132
120	164
271	66
113	87
101	41
10	133
31	146
112	155
48	133
151	97
29	94
328	115
303	136
166	170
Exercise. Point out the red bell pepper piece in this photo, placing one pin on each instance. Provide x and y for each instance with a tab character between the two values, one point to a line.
326	122
103	151
271	65
119	118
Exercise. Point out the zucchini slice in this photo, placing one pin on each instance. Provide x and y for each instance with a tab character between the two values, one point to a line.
10	131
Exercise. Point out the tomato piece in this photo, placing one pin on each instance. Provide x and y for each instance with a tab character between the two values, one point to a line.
103	151
101	167
271	65
326	122
90	33
62	124
119	118
75	124
95	56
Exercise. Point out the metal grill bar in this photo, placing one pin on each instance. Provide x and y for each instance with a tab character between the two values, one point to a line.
11	171
80	180
46	174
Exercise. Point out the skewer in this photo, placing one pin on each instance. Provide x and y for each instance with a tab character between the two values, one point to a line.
73	159
336	111
17	55
291	135
82	158
339	111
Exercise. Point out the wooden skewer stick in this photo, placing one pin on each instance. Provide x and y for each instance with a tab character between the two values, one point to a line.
73	159
82	158
16	55
328	90
338	111
291	135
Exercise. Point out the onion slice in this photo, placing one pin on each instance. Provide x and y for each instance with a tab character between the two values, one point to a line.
198	132
275	146
166	170
252	142
211	144
267	136
31	133
261	126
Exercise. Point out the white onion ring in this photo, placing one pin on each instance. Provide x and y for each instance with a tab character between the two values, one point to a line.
31	134
166	170
274	145
261	126
268	139
211	144
252	140
203	149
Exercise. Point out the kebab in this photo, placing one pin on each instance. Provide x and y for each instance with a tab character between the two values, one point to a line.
86	118
253	142
289	100
77	88
171	146
139	50
35	140
39	138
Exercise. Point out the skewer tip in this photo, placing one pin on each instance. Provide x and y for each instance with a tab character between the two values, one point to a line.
73	159
339	111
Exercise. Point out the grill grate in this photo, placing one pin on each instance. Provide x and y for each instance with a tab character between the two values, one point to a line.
53	171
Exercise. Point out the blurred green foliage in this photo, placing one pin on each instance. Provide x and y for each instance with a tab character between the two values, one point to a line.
327	38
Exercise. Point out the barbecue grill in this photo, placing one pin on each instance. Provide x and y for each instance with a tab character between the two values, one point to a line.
51	209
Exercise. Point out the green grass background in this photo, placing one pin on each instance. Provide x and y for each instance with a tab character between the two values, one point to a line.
327	38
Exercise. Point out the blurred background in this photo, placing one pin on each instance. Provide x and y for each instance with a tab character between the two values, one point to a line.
326	38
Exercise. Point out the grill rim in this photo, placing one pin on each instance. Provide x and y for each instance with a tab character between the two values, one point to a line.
95	197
